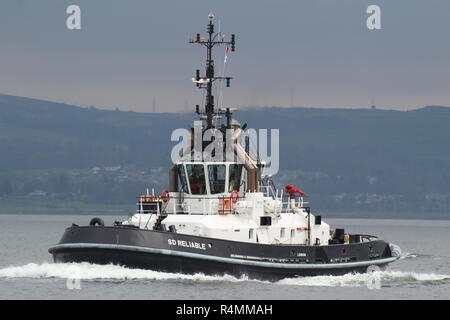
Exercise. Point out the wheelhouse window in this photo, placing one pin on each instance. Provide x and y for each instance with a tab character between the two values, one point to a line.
182	177
216	175
196	176
235	177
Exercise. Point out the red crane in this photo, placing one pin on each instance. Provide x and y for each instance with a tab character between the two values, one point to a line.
293	191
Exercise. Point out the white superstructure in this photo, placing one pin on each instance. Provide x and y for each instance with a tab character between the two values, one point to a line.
213	202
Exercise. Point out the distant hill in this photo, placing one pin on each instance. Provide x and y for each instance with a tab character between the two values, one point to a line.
348	160
42	134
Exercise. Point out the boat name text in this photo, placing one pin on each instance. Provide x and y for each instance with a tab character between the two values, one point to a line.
186	244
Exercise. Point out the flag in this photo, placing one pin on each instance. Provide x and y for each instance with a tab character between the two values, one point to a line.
226	53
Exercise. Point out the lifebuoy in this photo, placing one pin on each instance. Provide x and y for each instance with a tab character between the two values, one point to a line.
96	221
234	196
165	196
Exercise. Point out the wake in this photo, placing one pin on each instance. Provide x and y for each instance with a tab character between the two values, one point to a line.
362	279
89	271
93	272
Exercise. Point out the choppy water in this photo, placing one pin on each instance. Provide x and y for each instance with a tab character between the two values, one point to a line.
27	271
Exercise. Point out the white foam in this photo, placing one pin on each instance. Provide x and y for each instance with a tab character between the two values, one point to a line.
407	255
361	279
413	276
347	280
88	271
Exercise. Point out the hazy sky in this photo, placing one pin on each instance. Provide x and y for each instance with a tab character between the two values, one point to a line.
313	53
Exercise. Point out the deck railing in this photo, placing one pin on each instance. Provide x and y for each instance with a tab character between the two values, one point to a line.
209	205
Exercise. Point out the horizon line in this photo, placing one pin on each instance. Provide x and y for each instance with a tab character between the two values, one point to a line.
370	108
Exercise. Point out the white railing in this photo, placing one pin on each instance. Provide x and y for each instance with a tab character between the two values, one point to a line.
210	206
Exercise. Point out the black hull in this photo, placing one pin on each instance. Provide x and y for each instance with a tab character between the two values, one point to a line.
177	253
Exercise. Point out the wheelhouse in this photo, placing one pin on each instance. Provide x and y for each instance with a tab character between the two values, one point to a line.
210	178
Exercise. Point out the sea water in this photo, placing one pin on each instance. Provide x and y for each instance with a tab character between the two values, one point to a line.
28	272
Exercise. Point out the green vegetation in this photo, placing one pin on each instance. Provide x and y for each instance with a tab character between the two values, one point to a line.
38	205
361	163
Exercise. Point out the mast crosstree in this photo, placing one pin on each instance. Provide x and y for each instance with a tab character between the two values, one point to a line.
206	82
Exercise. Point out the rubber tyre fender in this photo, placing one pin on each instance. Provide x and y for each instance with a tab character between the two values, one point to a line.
96	221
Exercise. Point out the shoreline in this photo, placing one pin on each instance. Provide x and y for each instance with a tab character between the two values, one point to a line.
122	211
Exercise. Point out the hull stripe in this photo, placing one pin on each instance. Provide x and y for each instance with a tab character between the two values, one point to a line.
221	259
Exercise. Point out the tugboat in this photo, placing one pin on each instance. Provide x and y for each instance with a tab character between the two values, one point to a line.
220	215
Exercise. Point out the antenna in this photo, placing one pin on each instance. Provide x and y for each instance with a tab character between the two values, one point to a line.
206	82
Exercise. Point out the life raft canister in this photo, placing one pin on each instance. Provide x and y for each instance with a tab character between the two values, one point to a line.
146	198
225	205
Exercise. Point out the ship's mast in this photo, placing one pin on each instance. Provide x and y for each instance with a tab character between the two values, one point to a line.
206	82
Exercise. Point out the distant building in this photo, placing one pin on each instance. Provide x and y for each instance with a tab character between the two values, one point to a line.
95	170
112	169
38	193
